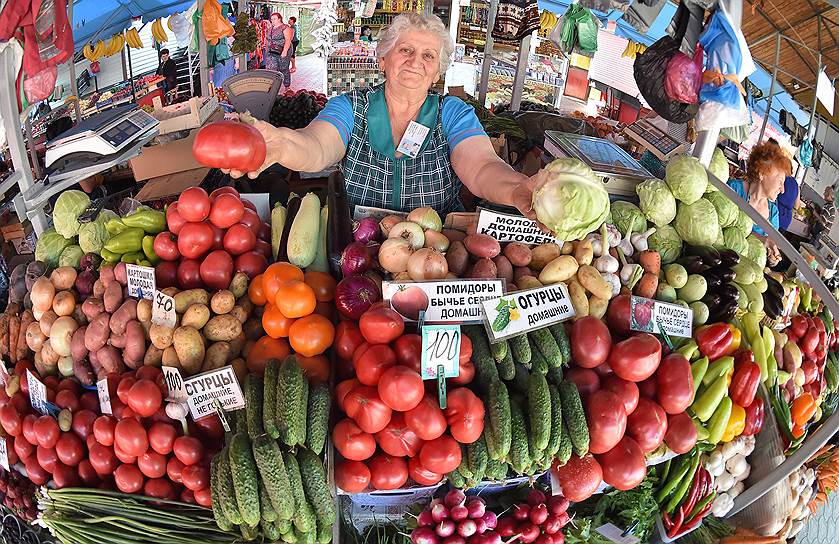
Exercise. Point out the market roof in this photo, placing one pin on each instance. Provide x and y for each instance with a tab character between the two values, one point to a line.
99	19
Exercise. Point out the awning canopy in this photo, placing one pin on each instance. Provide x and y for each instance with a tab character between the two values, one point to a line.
99	19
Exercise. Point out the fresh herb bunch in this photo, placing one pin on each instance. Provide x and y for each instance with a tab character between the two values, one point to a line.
245	36
634	509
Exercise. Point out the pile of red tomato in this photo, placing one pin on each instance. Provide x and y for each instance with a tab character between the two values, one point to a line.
139	449
394	427
211	237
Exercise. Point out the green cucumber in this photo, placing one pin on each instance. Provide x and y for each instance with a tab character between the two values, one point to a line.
215	493
316	486
269	398
547	346
293	401
507	367
253	405
272	470
499	350
561	337
317	422
519	453
520	348
227	496
304	518
245	480
498	400
574	417
539	411
556	422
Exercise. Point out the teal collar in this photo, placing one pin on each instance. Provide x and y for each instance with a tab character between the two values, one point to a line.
378	122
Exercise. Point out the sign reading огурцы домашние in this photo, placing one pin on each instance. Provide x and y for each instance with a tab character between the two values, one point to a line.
512	228
528	310
444	301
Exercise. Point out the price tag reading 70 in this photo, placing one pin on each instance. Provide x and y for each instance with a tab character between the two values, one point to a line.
163	310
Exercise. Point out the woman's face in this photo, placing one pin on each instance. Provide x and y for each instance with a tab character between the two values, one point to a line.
276	20
414	61
773	182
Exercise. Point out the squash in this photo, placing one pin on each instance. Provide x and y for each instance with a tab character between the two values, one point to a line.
303	236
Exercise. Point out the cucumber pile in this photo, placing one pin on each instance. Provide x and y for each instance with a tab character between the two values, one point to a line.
270	478
532	417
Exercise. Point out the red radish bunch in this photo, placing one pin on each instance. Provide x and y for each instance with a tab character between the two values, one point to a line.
456	520
539	520
18	495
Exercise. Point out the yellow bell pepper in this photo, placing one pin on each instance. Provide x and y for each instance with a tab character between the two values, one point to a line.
736	339
736	423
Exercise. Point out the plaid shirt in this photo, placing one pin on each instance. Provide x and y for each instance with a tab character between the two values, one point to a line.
374	179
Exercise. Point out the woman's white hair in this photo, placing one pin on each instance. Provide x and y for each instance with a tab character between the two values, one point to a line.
417	21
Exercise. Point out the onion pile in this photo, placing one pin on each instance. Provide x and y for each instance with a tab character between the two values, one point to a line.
414	248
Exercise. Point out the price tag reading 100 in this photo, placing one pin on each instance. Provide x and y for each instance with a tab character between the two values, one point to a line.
174	384
440	355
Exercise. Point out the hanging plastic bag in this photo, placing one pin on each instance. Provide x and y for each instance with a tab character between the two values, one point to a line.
727	63
650	68
684	77
564	34
587	29
215	24
805	153
180	27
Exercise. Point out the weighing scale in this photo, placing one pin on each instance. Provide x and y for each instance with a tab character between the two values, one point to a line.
254	91
619	171
98	138
658	142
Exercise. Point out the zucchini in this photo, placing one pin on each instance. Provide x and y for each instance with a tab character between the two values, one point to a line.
561	337
317	421
215	493
269	398
539	410
272	470
278	216
339	235
521	349
245	481
266	507
507	367
303	236
499	350
253	405
574	417
304	518
316	486
321	263
226	494
545	343
293	401
291	212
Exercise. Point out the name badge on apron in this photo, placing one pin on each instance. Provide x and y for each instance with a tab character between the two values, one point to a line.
412	139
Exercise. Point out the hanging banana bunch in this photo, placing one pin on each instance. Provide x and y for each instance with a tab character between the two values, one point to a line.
115	45
158	32
547	22
132	37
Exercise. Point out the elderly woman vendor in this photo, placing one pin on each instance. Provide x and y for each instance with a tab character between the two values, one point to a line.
400	145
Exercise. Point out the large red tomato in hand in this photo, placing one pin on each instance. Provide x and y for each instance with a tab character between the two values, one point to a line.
675	384
465	415
364	405
401	388
351	442
230	145
623	466
226	210
606	420
352	476
195	239
442	453
381	325
194	204
427	420
388	472
579	478
647	425
590	342
636	358
398	439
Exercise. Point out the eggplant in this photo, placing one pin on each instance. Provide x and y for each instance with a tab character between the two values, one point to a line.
713	281
729	257
774	287
712	300
729	292
292	207
694	264
723	274
724	312
710	255
340	230
773	306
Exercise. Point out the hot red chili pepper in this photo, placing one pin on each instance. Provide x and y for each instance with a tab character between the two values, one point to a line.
677	524
754	417
715	340
744	383
695	489
665	518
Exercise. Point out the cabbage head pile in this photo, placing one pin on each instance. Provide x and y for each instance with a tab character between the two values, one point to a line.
65	214
727	211
756	250
657	202
744	223
71	256
49	246
626	215
93	235
686	178
666	241
734	240
570	200
697	223
719	167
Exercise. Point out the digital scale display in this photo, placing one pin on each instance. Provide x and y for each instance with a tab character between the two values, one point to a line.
119	134
661	144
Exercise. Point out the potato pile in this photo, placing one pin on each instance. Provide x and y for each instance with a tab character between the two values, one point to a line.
211	331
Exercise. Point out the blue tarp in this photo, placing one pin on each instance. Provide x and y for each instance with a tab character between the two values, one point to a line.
107	17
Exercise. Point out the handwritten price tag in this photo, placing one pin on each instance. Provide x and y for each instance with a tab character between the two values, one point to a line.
163	310
104	396
440	348
4	454
38	395
176	392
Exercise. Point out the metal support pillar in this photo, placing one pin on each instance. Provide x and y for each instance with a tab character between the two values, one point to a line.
521	72
771	87
485	67
124	65
30	143
131	74
191	75
202	53
74	87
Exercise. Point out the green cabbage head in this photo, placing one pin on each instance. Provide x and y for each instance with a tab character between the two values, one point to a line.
719	167
71	256
571	200
734	240
93	235
626	215
49	246
697	223
744	223
727	211
756	250
666	241
686	178
66	212
657	201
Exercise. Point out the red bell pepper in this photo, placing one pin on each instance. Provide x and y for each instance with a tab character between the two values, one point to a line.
744	383
715	340
754	417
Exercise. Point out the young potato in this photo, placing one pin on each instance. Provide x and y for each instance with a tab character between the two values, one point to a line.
597	306
222	302
222	328
216	356
98	288
239	285
529	282
112	297
252	329
170	358
135	344
97	333
503	268
542	254
109	358
240	368
144	310
161	337
483	269
153	356
121	274
560	269
106	274
126	312
584	252
239	313
92	307
457	258
237	346
518	254
189	345
594	283
78	351
578	298
196	316
568	248
185	299
171	291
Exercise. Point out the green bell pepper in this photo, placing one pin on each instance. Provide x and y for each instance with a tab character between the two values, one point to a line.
144	262
701	431
132	258
109	256
115	226
148	249
698	369
705	406
151	221
719	421
128	241
716	369
689	349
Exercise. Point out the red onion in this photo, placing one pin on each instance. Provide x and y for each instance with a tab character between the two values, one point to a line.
84	282
355	259
354	295
366	230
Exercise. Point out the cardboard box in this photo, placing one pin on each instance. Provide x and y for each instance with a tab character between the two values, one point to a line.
185	115
161	160
171	184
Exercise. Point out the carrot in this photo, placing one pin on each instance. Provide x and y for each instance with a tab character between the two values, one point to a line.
647	285
650	261
4	334
748	539
22	348
14	331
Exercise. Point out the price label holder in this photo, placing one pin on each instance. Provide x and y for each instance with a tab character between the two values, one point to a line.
614	533
440	356
203	390
104	396
444	301
175	390
163	310
655	317
4	454
505	227
141	281
38	396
